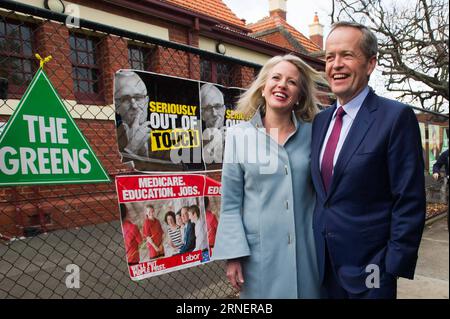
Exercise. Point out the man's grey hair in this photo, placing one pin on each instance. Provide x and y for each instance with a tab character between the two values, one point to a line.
127	78
210	94
369	43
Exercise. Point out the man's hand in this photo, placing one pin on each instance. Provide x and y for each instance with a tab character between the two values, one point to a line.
138	135
234	274
435	176
218	123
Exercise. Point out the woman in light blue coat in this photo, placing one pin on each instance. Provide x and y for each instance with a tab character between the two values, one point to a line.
265	228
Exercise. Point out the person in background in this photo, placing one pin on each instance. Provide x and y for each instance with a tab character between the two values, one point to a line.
201	237
174	240
211	223
442	161
132	237
153	233
180	224
188	232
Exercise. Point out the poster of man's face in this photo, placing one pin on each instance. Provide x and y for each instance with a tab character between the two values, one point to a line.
167	123
158	121
218	112
212	106
131	98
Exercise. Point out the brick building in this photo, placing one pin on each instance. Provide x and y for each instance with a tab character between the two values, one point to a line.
202	40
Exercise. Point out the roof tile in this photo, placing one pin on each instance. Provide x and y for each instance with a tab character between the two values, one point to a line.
213	8
269	23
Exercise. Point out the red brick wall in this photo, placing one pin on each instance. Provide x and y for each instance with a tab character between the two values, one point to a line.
175	62
278	13
317	39
243	76
53	39
114	56
171	62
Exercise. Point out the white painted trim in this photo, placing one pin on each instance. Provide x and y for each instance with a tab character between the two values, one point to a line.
233	51
110	19
77	111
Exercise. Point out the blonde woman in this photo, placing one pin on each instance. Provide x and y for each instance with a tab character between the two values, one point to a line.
265	228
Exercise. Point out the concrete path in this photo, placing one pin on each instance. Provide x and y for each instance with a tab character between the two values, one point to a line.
431	278
36	268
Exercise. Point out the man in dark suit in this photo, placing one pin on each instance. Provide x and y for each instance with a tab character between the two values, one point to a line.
441	161
368	172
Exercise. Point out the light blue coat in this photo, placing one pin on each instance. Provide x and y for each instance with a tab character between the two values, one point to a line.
266	213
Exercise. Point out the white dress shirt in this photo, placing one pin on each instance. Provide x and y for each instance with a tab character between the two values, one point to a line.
351	110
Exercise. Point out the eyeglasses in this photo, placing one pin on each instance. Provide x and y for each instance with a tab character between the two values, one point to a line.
217	107
126	99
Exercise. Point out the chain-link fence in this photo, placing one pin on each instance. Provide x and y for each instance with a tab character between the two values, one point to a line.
49	234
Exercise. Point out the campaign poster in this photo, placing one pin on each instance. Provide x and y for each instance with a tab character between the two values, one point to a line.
171	124
212	202
423	139
444	139
422	134
434	147
218	112
165	221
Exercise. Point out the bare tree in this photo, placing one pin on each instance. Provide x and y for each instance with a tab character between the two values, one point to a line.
413	45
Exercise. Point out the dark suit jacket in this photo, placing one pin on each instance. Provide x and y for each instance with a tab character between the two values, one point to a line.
189	238
374	211
441	161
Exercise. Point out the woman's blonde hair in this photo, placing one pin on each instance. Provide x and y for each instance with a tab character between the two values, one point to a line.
305	109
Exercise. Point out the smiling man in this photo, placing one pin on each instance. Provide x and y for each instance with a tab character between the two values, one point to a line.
368	172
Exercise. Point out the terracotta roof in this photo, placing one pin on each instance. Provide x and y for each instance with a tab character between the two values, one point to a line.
274	22
213	8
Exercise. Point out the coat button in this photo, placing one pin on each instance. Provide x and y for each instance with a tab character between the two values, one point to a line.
289	239
287	204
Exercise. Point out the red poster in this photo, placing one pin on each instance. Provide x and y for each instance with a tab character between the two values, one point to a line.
168	221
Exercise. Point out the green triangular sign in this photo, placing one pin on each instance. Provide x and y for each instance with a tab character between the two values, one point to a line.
41	143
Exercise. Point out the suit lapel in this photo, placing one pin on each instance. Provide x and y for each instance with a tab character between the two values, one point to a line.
315	157
360	126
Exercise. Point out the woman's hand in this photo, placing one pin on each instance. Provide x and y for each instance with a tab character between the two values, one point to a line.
234	273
